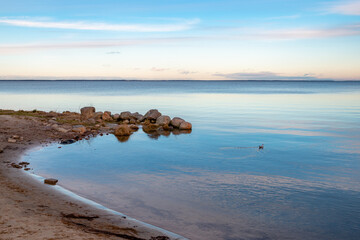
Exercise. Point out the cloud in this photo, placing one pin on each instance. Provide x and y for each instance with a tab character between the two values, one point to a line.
114	52
10	48
263	76
158	69
300	33
345	8
96	26
185	72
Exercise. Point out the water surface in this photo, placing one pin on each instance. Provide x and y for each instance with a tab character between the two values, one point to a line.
214	183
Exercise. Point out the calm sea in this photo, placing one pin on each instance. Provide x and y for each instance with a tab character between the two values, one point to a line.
214	183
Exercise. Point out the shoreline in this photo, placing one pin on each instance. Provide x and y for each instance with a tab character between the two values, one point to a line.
33	210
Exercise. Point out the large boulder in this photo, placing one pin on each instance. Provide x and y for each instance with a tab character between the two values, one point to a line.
176	122
185	126
87	112
125	115
152	114
163	120
122	130
107	116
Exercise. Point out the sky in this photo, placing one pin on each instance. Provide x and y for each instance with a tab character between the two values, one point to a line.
180	39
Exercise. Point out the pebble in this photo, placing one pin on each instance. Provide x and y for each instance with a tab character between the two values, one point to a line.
11	140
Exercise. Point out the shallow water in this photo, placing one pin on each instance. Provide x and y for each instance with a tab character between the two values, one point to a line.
214	183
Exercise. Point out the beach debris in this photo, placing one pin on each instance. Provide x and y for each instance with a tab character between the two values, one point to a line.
122	130
79	216
160	238
14	165
163	120
16	137
176	122
11	140
185	126
51	181
87	112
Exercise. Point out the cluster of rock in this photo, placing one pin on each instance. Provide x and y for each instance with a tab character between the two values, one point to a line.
152	121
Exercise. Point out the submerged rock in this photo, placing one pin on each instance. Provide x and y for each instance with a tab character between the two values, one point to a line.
87	112
70	141
51	181
122	130
176	122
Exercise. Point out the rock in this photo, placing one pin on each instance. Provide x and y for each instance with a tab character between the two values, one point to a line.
126	122
98	115
116	116
149	128
134	127
91	121
122	130
163	120
185	126
176	122
63	130
70	141
107	116
14	165
55	126
15	136
138	116
79	129
51	181
132	121
125	115
24	163
86	113
52	121
1	150
152	114
26	169
11	140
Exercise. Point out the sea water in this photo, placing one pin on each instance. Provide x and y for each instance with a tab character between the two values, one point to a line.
214	183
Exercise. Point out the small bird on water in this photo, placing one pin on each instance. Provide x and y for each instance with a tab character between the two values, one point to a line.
261	146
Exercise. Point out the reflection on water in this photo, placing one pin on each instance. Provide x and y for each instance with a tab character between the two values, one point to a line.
215	183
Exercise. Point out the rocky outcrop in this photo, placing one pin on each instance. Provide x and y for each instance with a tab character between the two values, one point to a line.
87	112
176	122
163	120
122	130
152	114
139	117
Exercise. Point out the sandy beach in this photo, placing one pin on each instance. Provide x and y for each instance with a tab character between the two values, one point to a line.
33	210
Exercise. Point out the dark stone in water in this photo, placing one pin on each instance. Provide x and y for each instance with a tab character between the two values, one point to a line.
70	141
51	181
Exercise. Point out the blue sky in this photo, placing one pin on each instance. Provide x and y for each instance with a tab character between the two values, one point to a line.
216	40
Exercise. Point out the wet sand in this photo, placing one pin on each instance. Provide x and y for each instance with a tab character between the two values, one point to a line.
30	209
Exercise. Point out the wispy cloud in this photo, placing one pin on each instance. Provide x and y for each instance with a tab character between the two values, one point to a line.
113	52
186	72
345	7
263	76
154	69
96	26
300	33
9	48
